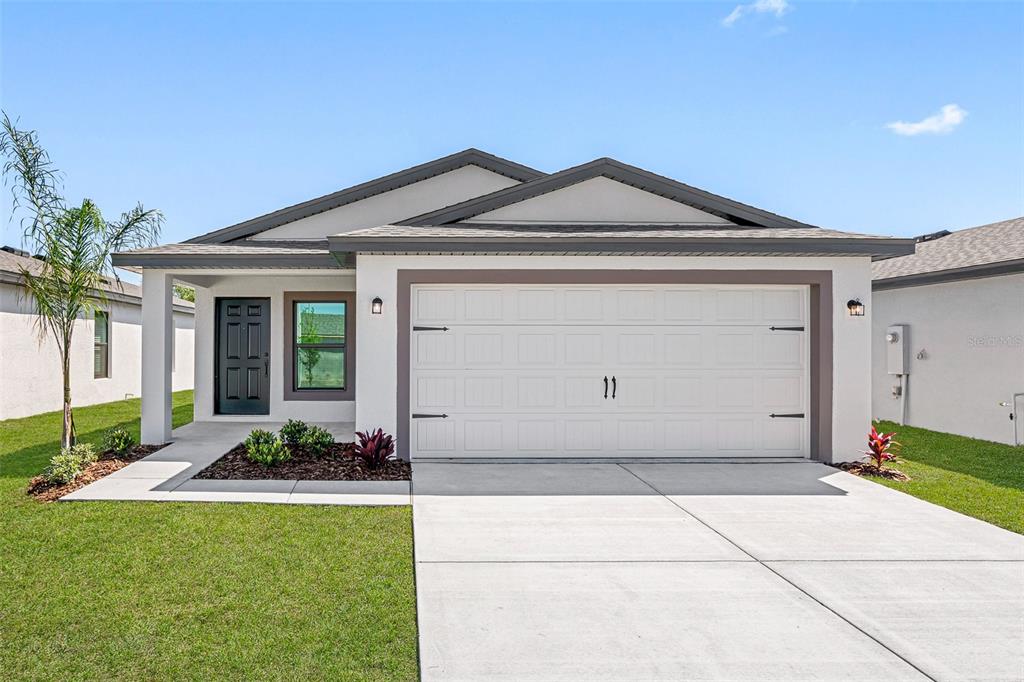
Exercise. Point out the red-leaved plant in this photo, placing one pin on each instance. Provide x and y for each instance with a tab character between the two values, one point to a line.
374	448
880	448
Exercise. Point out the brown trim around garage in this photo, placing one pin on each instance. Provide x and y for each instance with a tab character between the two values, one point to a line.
349	392
819	281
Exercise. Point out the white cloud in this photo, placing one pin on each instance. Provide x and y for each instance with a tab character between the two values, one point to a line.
942	123
776	7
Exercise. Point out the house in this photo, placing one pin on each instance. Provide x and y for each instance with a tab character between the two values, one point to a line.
492	310
106	357
948	333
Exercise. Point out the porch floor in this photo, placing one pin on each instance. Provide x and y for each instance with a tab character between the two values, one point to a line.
166	475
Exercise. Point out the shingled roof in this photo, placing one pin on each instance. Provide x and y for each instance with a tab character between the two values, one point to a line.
983	251
630	239
12	264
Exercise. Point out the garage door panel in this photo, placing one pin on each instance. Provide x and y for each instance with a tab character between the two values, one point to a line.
590	435
520	371
483	305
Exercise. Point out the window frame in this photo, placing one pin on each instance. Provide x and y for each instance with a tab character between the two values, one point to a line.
291	298
105	314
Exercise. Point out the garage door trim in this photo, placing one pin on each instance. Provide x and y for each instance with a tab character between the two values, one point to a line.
820	323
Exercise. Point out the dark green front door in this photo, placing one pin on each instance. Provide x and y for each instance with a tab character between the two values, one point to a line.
243	356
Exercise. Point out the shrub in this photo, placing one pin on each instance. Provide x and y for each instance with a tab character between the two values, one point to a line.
374	448
263	447
880	448
66	465
118	440
316	440
293	431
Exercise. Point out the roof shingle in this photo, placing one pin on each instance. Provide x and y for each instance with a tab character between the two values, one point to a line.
991	244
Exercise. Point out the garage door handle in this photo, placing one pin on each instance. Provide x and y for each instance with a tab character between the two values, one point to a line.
416	415
795	415
606	388
613	388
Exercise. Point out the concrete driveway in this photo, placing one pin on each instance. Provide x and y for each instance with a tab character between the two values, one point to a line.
705	571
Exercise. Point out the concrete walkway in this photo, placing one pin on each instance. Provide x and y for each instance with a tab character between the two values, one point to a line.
705	571
166	475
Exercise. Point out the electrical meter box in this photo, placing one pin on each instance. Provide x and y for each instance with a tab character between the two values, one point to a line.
896	348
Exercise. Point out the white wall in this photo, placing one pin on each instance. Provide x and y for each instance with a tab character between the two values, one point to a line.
30	376
273	287
377	378
972	335
427	195
598	200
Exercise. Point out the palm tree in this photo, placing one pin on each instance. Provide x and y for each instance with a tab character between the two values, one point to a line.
73	242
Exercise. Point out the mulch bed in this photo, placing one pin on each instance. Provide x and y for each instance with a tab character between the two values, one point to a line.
337	464
866	469
108	463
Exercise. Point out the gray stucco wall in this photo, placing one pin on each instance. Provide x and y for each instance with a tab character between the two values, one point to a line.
972	335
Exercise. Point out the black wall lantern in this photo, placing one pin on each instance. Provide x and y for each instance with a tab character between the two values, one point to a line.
855	307
377	307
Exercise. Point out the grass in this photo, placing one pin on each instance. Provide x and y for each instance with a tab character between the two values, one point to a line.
138	590
974	477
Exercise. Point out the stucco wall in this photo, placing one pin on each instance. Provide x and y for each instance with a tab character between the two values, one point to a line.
598	200
272	287
30	378
972	335
376	378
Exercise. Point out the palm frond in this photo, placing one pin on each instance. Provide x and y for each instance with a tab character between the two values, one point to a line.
32	178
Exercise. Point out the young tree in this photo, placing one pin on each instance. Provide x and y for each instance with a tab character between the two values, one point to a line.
74	241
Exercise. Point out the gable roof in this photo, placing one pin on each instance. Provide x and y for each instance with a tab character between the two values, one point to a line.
983	251
690	240
734	211
387	183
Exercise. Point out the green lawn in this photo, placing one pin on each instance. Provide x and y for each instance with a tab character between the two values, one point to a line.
974	477
137	590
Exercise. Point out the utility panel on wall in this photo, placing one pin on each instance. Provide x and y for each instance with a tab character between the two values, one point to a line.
896	349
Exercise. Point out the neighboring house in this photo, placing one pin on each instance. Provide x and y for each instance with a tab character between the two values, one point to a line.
106	358
492	310
957	306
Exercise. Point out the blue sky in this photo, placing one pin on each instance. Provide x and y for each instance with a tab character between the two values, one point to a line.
216	113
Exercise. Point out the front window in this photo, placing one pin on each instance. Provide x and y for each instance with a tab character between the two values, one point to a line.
101	345
319	343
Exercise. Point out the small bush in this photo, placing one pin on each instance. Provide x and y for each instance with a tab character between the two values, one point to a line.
316	440
66	465
263	447
293	431
118	441
374	448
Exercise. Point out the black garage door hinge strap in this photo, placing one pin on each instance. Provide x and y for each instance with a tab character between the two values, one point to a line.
430	329
416	415
794	415
786	329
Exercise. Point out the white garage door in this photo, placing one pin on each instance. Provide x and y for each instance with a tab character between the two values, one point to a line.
609	371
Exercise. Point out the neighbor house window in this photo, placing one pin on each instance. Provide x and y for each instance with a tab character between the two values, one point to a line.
319	346
101	345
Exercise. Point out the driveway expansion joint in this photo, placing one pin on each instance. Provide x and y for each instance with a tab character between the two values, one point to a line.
785	579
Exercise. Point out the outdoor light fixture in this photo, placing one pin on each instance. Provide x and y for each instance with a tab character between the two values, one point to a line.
855	307
377	307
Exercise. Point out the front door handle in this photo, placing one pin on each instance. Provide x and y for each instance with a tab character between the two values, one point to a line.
606	388
266	365
613	388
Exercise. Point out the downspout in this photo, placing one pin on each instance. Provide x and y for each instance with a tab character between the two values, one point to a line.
1013	416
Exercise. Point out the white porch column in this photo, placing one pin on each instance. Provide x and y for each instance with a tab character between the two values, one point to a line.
157	347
